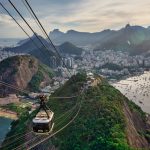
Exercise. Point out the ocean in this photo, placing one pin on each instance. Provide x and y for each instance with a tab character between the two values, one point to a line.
137	89
5	125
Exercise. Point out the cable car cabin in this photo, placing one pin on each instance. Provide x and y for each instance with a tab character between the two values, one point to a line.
42	123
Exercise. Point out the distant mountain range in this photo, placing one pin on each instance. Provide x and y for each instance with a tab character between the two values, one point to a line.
134	39
78	38
40	52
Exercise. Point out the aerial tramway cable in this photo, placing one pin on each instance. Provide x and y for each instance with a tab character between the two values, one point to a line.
59	56
31	11
27	92
49	136
67	69
24	3
29	8
26	23
57	120
57	130
23	29
30	29
9	144
13	87
21	138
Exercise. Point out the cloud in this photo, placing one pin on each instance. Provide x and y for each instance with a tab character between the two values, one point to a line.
6	20
82	15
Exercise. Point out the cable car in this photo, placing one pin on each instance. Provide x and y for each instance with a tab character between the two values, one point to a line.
43	122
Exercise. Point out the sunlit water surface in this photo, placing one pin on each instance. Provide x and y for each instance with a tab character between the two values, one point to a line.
137	89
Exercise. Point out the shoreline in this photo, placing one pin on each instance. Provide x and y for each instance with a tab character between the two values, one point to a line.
126	77
8	114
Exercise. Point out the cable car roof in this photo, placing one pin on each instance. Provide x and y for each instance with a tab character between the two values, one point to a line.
41	117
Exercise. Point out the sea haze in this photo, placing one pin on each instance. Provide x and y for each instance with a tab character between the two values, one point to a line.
8	42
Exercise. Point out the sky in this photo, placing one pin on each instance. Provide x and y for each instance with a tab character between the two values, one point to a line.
80	15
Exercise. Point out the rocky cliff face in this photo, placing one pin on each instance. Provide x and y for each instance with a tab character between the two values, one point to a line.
18	71
136	128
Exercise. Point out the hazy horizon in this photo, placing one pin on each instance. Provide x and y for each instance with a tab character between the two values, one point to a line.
79	15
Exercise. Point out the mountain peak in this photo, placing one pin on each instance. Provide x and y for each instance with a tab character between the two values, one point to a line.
56	31
70	31
127	26
69	48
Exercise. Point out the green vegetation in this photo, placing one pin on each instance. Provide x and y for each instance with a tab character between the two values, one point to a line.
46	69
18	127
100	124
134	108
36	80
9	63
34	84
19	108
71	88
70	49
